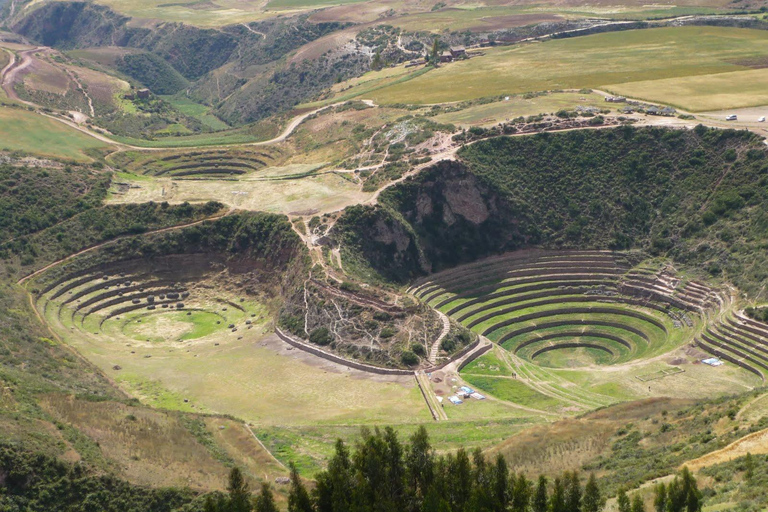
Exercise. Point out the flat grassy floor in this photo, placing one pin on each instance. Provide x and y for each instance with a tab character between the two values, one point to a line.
591	61
514	391
254	133
236	373
578	357
702	93
191	326
198	111
488	364
490	114
325	193
25	131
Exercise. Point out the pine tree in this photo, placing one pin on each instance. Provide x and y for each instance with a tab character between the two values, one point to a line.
573	498
420	462
675	496
637	503
215	503
265	501
540	498
298	497
434	502
557	502
592	499
521	494
692	496
435	54
500	484
623	501
239	493
660	500
395	470
460	475
749	467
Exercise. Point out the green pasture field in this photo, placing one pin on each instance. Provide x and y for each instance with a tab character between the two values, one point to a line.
484	18
488	364
586	62
195	325
578	357
513	391
489	114
196	110
703	93
21	130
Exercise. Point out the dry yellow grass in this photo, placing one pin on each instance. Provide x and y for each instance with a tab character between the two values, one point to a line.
756	444
323	193
702	93
149	447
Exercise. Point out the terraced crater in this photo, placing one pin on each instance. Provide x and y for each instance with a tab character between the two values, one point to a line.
216	163
595	307
576	330
738	340
176	298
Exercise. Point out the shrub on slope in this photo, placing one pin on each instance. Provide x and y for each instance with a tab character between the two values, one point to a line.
695	195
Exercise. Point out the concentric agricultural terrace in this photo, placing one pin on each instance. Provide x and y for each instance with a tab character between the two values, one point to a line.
173	299
204	164
572	308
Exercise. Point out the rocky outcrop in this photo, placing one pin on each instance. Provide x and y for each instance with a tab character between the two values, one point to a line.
441	218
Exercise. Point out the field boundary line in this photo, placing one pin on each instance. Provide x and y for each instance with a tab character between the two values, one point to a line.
438	413
248	427
36	273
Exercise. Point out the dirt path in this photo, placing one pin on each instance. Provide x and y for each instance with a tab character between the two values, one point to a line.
435	349
248	427
756	443
749	404
248	27
546	387
99	246
11	63
8	77
79	84
434	405
10	72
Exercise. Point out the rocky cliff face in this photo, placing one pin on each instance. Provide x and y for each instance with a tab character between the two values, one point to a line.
441	218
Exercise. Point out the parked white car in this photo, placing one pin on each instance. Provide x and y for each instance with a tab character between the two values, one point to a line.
731	117
761	119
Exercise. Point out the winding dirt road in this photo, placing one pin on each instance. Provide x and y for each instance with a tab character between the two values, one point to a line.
9	77
14	67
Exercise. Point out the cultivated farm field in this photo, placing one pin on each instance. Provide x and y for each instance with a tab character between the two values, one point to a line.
588	62
33	133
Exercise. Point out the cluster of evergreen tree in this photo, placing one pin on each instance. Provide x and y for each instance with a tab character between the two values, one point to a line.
681	495
383	475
